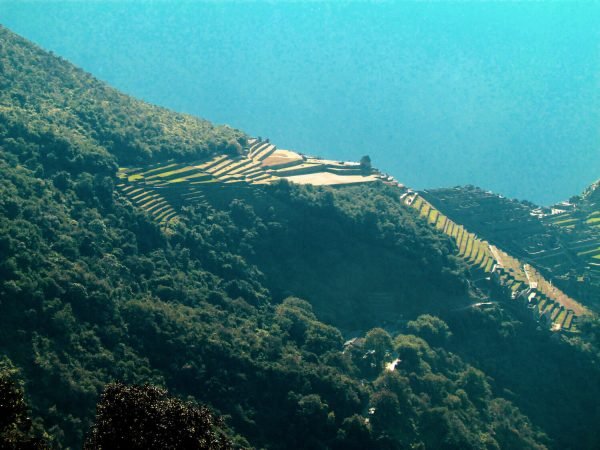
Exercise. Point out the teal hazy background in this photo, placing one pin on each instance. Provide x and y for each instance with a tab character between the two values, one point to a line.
500	95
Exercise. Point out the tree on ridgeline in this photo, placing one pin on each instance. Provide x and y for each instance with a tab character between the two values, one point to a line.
234	148
365	163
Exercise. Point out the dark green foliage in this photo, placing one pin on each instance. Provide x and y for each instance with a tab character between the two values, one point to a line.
432	399
16	431
93	292
355	434
434	330
360	256
146	417
380	342
555	380
12	404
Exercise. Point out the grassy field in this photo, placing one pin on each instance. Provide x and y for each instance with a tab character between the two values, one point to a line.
330	179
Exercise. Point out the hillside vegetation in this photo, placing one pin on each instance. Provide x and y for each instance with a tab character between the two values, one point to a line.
82	122
94	290
92	293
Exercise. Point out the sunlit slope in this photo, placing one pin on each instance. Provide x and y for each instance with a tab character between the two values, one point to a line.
562	241
581	218
521	282
161	189
172	184
43	96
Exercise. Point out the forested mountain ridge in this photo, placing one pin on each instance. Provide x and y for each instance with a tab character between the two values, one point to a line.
42	95
93	290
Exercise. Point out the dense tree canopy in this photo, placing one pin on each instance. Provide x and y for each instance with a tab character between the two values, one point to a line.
78	119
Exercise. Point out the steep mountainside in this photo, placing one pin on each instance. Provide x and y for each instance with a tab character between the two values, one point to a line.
83	122
94	289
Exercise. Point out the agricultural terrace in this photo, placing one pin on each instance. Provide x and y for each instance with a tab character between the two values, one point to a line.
160	189
551	291
549	304
562	241
472	249
577	222
151	202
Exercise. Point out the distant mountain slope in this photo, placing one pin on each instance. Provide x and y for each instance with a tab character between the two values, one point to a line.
519	284
562	241
41	94
163	189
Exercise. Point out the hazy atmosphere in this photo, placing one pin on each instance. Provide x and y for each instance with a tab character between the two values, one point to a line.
299	226
503	96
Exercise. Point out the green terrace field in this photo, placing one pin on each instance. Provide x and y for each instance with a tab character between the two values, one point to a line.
522	282
152	202
578	222
160	189
548	304
580	228
562	241
472	249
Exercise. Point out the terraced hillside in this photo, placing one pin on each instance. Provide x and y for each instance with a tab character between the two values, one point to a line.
562	241
522	283
473	250
545	302
580	218
160	188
